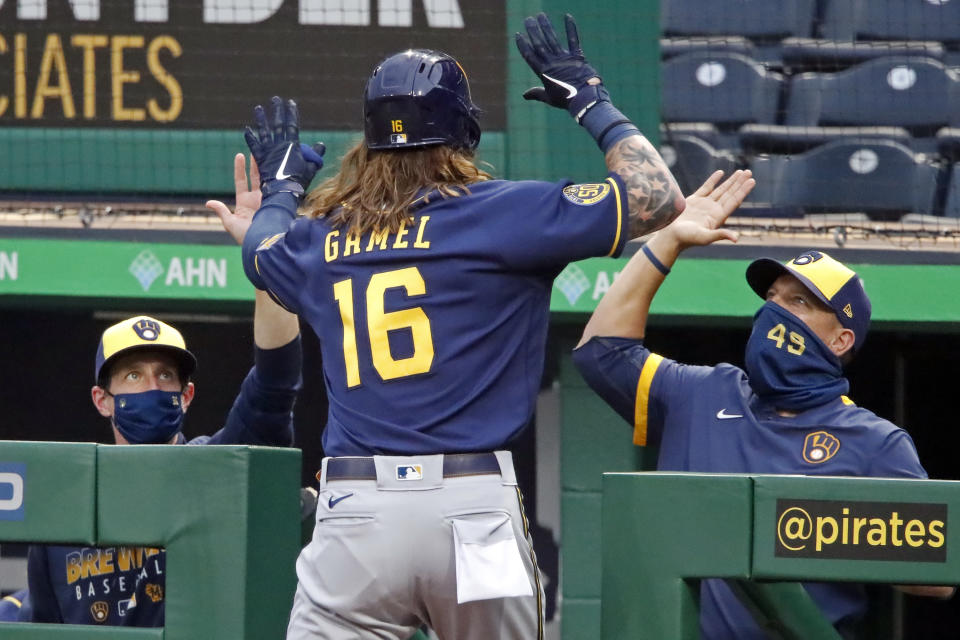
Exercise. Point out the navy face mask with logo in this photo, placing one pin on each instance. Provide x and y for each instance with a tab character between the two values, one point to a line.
149	417
788	365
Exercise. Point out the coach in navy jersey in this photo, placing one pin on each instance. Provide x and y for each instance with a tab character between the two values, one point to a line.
142	385
787	413
428	284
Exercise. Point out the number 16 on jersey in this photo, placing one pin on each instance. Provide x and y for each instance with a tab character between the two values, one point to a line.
381	322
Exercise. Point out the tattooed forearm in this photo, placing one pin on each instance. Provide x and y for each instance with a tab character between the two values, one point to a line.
653	197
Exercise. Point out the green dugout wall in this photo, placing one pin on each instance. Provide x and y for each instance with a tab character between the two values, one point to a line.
232	511
662	532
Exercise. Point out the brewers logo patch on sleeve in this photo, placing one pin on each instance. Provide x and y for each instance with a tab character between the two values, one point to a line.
585	194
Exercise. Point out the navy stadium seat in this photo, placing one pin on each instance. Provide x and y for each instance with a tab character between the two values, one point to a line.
755	19
901	98
920	94
670	47
726	89
691	160
832	55
878	178
764	138
952	208
948	143
702	130
937	20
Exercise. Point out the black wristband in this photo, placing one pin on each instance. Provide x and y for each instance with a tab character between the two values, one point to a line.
659	266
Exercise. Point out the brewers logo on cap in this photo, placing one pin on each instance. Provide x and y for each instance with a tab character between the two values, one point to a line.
147	329
142	332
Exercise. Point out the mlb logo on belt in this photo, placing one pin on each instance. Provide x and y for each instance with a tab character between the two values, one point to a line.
409	472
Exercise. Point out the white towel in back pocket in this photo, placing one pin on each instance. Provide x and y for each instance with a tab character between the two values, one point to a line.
488	558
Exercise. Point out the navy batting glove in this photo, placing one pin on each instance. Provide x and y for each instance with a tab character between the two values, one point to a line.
285	163
564	72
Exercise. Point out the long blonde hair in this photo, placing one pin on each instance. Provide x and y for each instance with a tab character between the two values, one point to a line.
375	189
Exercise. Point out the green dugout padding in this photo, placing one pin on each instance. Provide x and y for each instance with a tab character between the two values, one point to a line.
662	532
228	516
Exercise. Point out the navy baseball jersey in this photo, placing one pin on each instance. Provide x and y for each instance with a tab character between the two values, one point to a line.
433	337
708	419
125	586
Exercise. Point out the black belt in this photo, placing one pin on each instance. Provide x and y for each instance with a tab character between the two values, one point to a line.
454	465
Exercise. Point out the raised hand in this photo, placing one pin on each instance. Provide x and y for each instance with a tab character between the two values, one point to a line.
569	82
708	208
285	164
248	199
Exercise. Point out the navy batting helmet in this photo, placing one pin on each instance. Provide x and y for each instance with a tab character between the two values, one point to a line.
418	98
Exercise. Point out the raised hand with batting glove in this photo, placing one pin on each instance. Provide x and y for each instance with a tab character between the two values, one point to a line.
569	82
286	165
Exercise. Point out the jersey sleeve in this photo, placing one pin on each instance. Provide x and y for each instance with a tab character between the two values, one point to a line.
552	224
274	241
897	458
640	385
262	413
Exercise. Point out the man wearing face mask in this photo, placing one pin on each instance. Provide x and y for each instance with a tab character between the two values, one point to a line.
787	413
142	385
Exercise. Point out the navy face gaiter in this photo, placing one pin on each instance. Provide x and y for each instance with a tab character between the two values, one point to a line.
788	365
149	417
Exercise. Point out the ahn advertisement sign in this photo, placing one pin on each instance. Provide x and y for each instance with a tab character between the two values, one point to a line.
206	63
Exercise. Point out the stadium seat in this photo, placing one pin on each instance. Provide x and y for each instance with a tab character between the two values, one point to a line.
898	98
726	89
750	27
691	160
952	207
937	20
948	143
755	19
878	178
766	138
702	130
920	94
670	47
814	54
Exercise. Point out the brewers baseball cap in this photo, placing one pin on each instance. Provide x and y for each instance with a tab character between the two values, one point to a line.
831	281
143	332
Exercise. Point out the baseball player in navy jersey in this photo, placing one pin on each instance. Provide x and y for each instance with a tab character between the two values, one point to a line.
428	284
142	385
788	412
